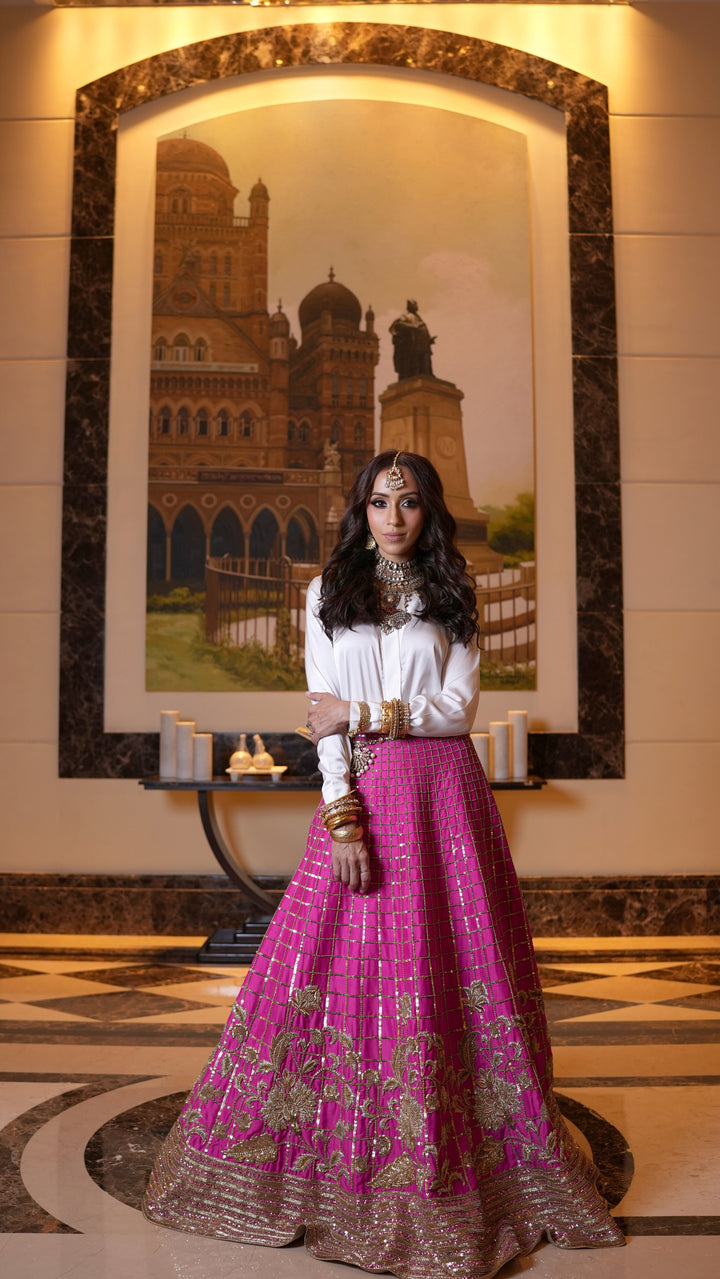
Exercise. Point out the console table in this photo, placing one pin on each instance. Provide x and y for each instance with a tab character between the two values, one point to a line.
238	946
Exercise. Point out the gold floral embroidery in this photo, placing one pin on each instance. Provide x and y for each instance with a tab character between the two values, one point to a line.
254	1150
410	1121
308	1000
397	1175
488	1155
290	1104
286	1089
476	996
495	1099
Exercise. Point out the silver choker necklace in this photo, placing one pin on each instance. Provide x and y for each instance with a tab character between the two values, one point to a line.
397	580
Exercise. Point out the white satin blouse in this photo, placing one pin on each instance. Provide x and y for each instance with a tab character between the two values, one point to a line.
418	664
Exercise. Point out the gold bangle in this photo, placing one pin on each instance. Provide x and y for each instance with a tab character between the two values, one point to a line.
351	836
385	716
342	819
342	808
337	805
404	726
363	723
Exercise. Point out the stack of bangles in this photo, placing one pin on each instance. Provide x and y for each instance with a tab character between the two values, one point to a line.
395	719
340	818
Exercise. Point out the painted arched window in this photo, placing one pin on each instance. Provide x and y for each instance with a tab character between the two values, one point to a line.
155	548
201	422
160	350
226	535
264	536
187	548
223	423
291	429
164	420
181	347
304	432
201	350
183	421
228	263
247	426
358	433
301	541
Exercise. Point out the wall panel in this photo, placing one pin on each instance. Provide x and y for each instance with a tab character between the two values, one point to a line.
33	298
31	406
672	532
35	162
669	423
30	525
659	61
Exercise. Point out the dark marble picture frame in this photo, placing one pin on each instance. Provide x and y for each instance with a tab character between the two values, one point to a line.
597	749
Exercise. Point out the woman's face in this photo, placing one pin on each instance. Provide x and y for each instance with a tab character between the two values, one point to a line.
395	516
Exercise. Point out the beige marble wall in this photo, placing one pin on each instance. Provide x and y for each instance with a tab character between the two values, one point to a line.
660	64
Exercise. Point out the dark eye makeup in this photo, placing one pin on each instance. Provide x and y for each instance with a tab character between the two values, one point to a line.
381	502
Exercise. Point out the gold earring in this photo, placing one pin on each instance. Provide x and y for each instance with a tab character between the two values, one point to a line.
370	543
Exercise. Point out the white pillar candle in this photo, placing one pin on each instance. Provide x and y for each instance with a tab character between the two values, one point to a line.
481	742
185	732
168	743
499	750
202	757
519	724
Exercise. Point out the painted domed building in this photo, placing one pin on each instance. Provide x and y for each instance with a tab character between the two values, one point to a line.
241	413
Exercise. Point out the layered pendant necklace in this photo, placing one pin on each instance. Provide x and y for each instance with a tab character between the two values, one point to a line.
397	581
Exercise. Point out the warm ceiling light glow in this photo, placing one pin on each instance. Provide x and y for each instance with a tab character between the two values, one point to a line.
294	4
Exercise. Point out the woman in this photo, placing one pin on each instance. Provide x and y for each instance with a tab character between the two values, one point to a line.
384	1083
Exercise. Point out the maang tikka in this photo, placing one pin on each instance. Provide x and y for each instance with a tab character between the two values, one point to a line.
395	478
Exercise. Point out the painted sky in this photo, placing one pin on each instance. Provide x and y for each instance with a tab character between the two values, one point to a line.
407	201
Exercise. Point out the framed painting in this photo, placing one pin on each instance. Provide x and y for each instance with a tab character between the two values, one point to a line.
352	74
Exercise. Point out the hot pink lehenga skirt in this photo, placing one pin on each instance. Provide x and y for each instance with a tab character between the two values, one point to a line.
384	1082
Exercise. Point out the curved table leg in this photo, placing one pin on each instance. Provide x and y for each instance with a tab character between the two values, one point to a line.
255	895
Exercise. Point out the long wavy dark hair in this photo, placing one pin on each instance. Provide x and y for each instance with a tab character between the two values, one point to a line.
350	589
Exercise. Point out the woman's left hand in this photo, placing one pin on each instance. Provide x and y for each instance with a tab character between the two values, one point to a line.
327	715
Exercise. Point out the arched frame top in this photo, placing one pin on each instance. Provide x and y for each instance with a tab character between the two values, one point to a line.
596	750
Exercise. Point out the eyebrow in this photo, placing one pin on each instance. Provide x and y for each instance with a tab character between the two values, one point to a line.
381	493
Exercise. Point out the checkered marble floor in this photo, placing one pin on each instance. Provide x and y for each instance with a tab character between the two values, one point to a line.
100	1038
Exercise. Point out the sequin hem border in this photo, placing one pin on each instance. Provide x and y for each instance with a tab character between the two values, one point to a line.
459	1237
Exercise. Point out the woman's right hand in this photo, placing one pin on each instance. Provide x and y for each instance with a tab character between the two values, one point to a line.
351	865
